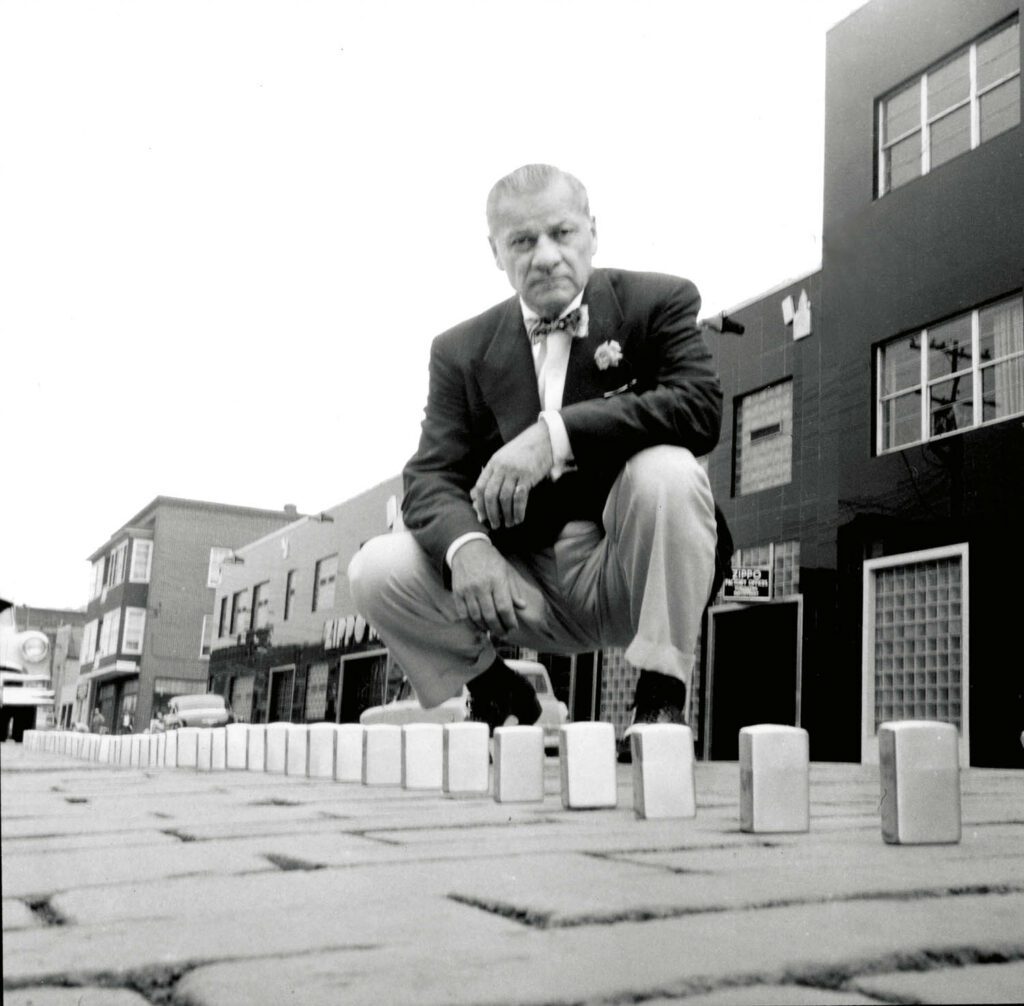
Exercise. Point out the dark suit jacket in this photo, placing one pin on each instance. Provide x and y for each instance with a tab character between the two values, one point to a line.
483	392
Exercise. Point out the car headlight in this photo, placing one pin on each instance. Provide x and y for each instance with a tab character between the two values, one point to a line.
35	648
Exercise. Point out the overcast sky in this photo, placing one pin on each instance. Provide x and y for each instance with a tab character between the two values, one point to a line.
229	229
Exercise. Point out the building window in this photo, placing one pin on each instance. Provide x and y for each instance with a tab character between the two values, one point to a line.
96	586
323	583
205	642
915	632
953	106
763	455
134	628
109	633
964	372
217	556
89	642
142	560
289	593
222	621
261	605
116	565
238	612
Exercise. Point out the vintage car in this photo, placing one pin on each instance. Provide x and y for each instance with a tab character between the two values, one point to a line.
206	710
405	707
26	698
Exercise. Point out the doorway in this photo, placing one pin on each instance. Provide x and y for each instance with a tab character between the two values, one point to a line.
754	671
282	684
363	678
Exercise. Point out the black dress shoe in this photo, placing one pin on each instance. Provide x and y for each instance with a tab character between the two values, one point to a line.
659	698
499	693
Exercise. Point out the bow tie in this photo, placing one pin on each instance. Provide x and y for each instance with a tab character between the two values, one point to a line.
571	323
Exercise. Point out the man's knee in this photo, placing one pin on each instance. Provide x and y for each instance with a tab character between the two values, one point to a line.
665	469
370	569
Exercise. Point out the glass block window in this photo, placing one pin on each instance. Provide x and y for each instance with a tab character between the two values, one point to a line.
763	451
915	637
966	99
316	693
963	372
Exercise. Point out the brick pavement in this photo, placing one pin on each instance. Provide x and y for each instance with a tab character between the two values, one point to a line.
124	886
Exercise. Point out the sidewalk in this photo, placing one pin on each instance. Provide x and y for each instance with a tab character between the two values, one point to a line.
126	886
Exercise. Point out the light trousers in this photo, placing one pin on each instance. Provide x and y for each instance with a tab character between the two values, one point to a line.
640	580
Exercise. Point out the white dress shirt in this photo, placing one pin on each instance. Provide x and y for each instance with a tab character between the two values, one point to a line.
550	361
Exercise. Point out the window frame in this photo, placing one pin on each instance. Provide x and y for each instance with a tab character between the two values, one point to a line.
139	614
869	728
925	382
144	577
319	604
925	122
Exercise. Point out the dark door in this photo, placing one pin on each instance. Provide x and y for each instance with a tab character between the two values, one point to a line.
755	672
586	687
357	686
281	685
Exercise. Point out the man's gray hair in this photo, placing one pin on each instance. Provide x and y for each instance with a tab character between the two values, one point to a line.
532	178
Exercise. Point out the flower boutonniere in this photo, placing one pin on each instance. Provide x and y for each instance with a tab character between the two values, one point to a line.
608	354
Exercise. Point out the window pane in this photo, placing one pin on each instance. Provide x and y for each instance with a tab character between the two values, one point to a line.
1000	109
949	347
902	112
951	405
950	135
1002	389
998	56
901	365
949	85
903	163
901	421
1001	329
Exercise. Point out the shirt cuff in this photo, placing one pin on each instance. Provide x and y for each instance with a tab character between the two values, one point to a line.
561	449
459	542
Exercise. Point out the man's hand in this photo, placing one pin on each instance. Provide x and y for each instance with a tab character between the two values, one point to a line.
483	590
500	494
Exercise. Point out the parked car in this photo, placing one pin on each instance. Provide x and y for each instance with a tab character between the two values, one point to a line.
406	708
26	698
207	710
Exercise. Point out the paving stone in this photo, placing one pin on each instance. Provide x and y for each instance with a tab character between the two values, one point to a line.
17	915
629	961
30	875
977	983
73	996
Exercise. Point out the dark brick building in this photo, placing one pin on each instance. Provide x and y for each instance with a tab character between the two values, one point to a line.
882	456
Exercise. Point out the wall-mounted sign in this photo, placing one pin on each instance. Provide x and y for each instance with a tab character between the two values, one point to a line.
749	583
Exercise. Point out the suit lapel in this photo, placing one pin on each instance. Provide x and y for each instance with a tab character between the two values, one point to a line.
507	377
583	379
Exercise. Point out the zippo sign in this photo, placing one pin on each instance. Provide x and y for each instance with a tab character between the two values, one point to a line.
749	583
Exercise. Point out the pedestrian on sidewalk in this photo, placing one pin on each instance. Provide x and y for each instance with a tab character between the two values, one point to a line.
555	500
97	724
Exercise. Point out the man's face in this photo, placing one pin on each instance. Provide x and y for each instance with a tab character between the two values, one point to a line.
544	243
